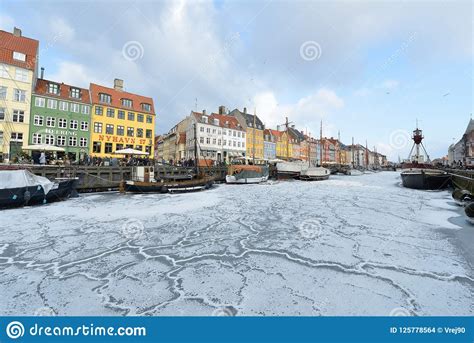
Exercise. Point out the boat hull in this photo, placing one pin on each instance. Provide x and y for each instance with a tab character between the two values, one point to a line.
314	177
425	180
168	187
35	195
233	180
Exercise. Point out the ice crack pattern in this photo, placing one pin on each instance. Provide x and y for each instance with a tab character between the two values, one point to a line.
240	250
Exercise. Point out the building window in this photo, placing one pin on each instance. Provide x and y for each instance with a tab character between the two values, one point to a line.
201	140
21	75
120	131
201	129
118	146
16	137
130	131
105	98
243	135
75	93
146	107
62	123
121	114
50	121
53	88
3	93
2	113
140	118
148	149
139	147
110	113
53	104
61	140
83	142
219	142
127	103
4	71
63	105
19	56
131	116
84	125
72	141
140	133
38	120
36	138
149	119
109	129
97	147
214	141
19	95
98	127
18	116
108	148
225	142
85	109
75	108
208	140
73	124
149	133
49	140
99	110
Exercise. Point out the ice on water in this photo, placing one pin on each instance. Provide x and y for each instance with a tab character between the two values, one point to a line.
352	245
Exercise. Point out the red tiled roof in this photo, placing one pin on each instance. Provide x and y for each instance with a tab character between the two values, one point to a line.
10	43
64	90
224	120
117	95
276	133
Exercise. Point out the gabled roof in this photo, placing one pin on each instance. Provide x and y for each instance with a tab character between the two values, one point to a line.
225	121
470	127
10	43
117	96
64	91
296	134
249	119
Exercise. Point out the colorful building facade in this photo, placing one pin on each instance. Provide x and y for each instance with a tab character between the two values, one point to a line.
269	145
255	131
61	116
18	74
120	120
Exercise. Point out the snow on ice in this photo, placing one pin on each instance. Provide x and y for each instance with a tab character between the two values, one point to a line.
359	245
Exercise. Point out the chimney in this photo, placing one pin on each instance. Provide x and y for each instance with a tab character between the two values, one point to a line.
42	73
204	112
118	84
16	32
245	110
221	109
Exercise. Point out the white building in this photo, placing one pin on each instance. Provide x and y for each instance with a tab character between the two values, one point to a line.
220	137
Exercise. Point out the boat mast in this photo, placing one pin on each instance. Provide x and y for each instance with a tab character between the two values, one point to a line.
366	155
254	123
353	161
309	150
196	156
321	143
287	140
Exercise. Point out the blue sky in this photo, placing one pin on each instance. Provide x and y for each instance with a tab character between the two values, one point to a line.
367	69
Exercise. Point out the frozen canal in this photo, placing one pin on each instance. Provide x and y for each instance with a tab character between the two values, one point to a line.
352	245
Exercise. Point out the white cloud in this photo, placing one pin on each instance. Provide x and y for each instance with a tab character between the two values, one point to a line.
61	30
73	74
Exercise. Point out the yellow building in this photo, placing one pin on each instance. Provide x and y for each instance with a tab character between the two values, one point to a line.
18	74
254	131
120	120
284	148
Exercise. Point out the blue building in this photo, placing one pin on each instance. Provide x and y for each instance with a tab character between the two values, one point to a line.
269	145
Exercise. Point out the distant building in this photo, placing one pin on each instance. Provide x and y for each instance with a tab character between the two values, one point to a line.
462	153
18	75
254	128
269	144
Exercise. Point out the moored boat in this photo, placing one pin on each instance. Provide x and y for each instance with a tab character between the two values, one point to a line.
23	188
315	174
418	174
289	169
241	172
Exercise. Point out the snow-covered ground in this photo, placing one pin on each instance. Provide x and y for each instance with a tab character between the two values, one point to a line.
352	245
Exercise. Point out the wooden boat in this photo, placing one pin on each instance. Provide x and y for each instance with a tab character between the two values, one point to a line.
143	181
242	172
289	169
421	175
23	188
315	174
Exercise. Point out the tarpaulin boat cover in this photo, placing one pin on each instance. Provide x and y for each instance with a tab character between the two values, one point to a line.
23	178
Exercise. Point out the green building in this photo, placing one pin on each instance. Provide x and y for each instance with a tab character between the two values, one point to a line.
61	116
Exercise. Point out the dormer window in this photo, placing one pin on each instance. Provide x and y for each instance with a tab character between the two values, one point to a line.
127	103
204	119
75	93
146	107
19	56
105	98
216	121
53	88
